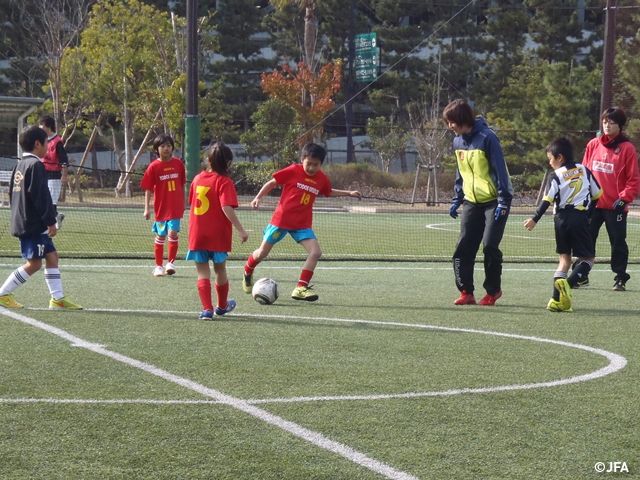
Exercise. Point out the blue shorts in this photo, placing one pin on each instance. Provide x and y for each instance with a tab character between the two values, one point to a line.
274	234
203	256
37	246
162	228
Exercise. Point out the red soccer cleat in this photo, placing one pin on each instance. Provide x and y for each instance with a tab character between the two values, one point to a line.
465	299
490	299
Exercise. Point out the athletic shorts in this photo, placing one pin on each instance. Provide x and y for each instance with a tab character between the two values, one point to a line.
274	234
162	228
573	234
203	256
37	246
55	187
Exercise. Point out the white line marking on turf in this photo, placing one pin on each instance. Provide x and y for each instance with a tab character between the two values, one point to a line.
436	226
315	438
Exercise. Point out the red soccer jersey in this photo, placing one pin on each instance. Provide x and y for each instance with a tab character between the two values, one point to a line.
299	191
209	227
166	180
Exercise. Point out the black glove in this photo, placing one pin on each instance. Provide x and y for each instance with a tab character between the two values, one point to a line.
619	205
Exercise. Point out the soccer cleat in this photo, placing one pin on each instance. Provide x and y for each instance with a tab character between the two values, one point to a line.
59	219
304	293
206	315
9	302
158	271
63	304
565	293
620	286
170	269
490	299
582	283
465	299
247	282
231	304
554	306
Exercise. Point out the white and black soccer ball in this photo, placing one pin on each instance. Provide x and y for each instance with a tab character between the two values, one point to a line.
265	291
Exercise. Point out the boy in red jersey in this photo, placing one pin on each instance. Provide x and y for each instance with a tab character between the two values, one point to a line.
55	162
165	178
212	197
301	184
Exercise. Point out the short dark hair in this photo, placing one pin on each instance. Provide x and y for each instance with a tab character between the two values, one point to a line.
561	146
616	115
219	155
460	113
313	150
161	140
48	121
29	136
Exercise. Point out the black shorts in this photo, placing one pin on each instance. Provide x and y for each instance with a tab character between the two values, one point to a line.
573	234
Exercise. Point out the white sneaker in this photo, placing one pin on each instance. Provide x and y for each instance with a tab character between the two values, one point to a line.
158	271
170	269
59	219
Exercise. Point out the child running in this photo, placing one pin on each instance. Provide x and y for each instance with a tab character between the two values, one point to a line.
33	221
212	197
574	192
301	184
165	178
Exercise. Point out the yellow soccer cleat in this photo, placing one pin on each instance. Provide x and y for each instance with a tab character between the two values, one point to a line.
554	306
8	301
565	293
247	282
63	304
304	293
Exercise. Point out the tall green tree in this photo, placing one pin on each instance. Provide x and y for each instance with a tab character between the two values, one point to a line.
238	22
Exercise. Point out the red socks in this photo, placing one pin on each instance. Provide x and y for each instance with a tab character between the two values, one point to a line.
223	293
204	291
173	249
158	251
305	278
251	265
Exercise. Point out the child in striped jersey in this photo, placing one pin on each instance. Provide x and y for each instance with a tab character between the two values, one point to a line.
574	192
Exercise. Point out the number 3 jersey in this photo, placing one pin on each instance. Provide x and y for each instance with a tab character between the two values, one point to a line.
299	191
166	180
209	227
572	186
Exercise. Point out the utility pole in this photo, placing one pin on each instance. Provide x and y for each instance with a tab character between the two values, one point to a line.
192	119
351	82
606	98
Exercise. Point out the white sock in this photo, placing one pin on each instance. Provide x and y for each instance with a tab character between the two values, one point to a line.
13	281
54	282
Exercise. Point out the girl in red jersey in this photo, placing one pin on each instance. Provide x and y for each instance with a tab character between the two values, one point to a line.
212	197
301	184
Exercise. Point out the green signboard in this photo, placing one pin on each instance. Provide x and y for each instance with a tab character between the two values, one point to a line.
367	58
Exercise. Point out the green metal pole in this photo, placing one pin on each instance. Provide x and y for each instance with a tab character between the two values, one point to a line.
192	146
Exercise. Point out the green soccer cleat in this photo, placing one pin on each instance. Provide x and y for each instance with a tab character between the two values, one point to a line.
554	306
565	293
63	304
304	293
247	282
8	301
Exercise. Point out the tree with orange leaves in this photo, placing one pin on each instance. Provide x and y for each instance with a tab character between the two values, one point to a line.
309	95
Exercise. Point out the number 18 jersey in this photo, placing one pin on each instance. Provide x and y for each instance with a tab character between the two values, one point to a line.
299	191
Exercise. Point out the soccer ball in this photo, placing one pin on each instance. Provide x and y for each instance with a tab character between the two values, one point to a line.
265	291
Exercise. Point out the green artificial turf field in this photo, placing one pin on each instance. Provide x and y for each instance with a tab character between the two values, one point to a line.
383	377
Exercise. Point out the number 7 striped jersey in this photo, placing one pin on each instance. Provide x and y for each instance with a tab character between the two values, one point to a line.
572	186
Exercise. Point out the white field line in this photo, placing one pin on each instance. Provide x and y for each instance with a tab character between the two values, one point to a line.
315	438
616	362
437	226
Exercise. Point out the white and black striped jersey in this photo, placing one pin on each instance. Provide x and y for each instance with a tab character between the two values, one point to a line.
572	186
